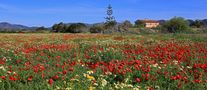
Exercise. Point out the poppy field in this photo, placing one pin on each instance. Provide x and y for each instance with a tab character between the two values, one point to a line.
103	62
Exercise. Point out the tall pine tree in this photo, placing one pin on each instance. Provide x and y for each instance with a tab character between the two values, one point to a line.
110	19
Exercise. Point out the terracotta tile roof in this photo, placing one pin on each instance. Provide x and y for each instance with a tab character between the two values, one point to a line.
150	21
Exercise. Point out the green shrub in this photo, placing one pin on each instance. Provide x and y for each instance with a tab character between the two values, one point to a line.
176	25
76	28
96	29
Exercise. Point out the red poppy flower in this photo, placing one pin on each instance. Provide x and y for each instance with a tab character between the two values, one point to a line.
35	69
55	77
150	88
50	81
11	78
29	78
197	81
3	77
138	80
64	71
18	61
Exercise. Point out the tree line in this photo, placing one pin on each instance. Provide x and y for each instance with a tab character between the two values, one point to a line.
174	25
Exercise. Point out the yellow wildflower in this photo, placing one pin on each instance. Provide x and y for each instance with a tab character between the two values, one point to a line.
90	88
90	77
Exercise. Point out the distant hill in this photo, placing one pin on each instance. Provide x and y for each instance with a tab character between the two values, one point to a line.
8	26
68	24
87	24
90	25
205	21
161	21
189	21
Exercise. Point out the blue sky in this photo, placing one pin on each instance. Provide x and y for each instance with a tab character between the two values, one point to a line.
48	12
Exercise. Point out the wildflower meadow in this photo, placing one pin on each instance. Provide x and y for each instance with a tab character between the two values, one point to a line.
103	62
